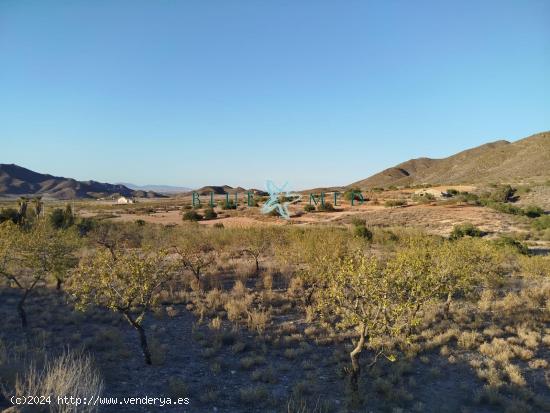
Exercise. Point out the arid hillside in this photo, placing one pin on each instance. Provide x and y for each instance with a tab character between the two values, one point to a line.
16	180
501	161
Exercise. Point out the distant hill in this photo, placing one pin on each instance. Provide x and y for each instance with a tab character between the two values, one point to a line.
18	181
226	189
163	189
501	161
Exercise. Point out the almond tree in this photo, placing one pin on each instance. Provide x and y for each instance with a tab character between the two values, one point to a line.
462	267
28	256
256	242
195	253
378	303
128	283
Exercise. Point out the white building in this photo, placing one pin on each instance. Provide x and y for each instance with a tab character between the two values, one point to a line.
124	200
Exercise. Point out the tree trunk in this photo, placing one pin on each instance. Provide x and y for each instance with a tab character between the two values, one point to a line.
447	306
142	338
21	309
354	355
59	283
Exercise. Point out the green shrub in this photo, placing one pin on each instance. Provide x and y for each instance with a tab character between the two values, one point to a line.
362	232
7	214
533	211
452	192
309	208
423	198
356	195
192	216
228	205
503	193
504	241
541	223
360	229
505	208
468	198
210	214
62	218
85	225
326	207
394	203
466	229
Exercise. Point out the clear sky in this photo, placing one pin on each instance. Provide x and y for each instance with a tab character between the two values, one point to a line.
236	92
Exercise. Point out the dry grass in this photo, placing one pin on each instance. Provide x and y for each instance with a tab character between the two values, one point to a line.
70	374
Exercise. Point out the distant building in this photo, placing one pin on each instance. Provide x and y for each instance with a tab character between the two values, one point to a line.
124	200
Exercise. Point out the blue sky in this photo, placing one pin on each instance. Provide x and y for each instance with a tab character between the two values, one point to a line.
237	92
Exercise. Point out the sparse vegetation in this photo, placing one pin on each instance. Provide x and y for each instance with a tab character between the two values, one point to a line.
385	307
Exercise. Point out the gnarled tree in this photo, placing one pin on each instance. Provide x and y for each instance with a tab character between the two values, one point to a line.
375	300
128	283
28	256
196	253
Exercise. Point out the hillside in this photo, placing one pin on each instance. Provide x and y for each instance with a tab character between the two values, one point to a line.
501	161
226	189
16	180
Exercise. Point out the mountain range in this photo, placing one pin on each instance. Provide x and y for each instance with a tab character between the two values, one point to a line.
19	181
524	160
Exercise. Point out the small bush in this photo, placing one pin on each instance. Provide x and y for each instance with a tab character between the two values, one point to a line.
9	214
452	192
466	229
505	208
192	216
210	214
503	193
309	208
228	205
326	207
541	223
390	203
360	229
468	198
512	243
85	225
424	198
354	194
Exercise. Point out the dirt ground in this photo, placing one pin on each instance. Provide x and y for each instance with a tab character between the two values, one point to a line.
438	219
232	371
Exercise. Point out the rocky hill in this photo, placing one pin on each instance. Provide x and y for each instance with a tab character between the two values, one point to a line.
17	181
501	161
